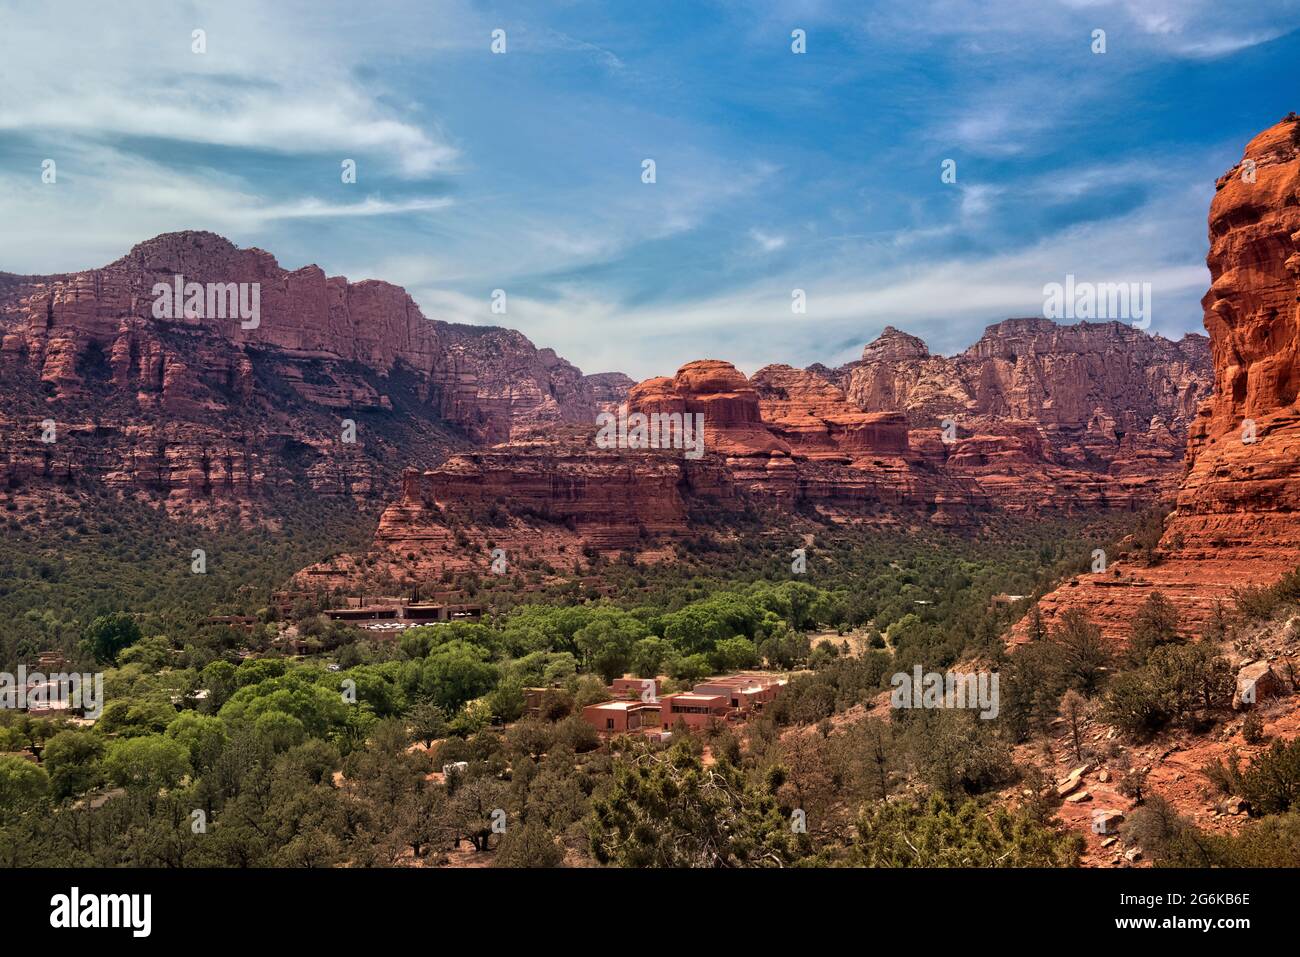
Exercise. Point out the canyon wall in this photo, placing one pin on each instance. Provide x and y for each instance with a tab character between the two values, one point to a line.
1098	392
339	386
1034	416
334	386
796	440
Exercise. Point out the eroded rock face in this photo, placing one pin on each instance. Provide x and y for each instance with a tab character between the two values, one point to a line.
814	416
733	422
786	439
157	399
1016	422
550	495
516	386
897	373
1097	391
1237	520
796	436
608	390
1092	415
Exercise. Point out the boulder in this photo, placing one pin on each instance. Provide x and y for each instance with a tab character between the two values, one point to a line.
1256	681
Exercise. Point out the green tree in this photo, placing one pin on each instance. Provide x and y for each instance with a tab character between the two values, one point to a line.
203	736
428	723
107	635
783	648
607	642
1032	684
1168	838
417	819
1074	711
958	753
279	730
1036	629
1154	625
153	654
871	758
692	668
1272	781
475	808
695	629
938	833
319	707
1272	841
507	699
664	809
218	679
531	738
456	672
72	759
1178	681
650	656
576	735
1084	655
22	786
149	763
529	845
734	654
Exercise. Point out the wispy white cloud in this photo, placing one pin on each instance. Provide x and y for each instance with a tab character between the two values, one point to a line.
767	242
104	200
947	301
312	208
1172	28
266	81
977	199
766	180
1197	28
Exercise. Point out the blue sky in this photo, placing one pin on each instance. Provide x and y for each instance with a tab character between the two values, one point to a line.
775	171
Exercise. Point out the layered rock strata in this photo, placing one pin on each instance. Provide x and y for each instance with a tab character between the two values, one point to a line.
266	378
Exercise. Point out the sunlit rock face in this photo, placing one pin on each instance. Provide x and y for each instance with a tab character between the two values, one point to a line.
1236	521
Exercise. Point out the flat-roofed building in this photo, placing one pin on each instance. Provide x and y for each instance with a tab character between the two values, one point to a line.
622	717
745	691
726	698
693	709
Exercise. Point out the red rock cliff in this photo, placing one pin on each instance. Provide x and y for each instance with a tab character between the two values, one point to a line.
1237	520
202	406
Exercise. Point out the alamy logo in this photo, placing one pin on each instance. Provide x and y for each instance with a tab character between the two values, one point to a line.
1130	301
73	910
932	689
213	300
657	430
39	692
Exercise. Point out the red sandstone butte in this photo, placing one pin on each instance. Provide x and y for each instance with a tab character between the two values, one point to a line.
721	393
1076	418
813	416
1237	517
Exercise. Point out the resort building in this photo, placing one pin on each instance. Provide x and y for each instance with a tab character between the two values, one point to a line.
727	698
622	717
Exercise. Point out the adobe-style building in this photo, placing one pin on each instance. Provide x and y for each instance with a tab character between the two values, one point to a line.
622	717
693	710
728	698
746	691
